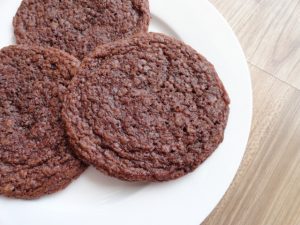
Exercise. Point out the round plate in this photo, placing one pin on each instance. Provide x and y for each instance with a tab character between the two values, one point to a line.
98	199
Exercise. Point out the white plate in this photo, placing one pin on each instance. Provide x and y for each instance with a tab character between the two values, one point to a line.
97	199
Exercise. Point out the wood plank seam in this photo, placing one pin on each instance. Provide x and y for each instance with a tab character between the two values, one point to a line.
277	78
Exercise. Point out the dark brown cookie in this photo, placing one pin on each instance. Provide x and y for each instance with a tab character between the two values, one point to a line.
35	157
148	108
77	27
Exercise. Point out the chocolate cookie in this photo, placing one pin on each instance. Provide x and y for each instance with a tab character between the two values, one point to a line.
77	27
35	157
148	108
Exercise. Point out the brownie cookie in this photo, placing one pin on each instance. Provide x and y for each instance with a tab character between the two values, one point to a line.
148	108
77	27
35	157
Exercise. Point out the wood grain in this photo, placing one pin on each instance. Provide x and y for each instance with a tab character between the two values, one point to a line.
269	31
266	189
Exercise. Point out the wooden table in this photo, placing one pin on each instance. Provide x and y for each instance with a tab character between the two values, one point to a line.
266	189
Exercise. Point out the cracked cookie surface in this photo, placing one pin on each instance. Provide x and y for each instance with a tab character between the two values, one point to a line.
148	108
77	27
35	157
